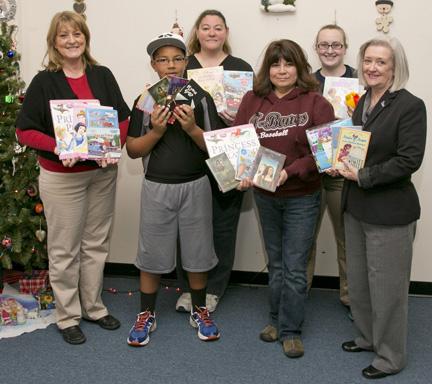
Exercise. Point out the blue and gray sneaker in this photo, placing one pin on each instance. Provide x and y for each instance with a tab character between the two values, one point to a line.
139	333
207	329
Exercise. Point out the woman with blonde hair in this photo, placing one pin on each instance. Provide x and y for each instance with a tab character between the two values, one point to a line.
381	207
78	196
208	46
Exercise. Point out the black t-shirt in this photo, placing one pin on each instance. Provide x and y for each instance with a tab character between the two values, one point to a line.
175	158
230	63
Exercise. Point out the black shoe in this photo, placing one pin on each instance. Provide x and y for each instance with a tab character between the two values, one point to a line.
108	322
73	335
372	373
351	346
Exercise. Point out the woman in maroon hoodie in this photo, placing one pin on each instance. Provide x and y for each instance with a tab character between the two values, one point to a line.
282	105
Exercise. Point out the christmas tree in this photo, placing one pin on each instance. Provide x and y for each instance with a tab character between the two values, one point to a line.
22	223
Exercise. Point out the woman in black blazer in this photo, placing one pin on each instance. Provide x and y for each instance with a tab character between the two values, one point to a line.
381	206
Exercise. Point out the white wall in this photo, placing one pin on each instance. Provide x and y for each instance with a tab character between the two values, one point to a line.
121	30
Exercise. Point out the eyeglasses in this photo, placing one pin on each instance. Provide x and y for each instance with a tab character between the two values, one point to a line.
325	46
166	60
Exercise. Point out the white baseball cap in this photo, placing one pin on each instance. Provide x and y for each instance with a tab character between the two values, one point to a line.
166	39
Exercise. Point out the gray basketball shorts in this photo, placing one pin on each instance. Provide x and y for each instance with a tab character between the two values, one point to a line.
176	211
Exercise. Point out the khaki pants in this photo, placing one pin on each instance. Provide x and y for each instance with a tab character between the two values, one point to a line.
331	195
79	210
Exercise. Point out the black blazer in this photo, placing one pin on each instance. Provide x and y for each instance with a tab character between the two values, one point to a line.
385	194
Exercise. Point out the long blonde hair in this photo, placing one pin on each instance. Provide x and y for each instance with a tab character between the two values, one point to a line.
52	56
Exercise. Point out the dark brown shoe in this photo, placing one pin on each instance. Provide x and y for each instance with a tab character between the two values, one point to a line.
73	335
269	334
293	347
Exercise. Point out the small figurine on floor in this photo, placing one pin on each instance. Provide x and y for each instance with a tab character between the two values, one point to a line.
384	20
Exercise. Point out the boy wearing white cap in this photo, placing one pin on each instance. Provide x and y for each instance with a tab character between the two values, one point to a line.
176	195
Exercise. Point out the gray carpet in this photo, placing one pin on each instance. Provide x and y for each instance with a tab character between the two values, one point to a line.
176	355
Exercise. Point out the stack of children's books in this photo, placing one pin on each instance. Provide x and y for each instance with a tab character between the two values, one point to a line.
170	91
227	88
235	154
338	142
86	130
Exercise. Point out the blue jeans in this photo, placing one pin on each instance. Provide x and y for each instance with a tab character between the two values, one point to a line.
288	226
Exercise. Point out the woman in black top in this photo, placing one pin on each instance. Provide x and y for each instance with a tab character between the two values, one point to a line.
208	47
381	207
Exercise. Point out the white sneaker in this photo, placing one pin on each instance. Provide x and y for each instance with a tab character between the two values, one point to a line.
211	302
184	303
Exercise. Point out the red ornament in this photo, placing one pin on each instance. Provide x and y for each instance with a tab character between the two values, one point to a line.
39	208
7	242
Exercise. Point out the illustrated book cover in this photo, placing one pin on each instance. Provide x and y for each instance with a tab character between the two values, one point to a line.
176	84
335	91
223	171
159	91
211	80
69	122
190	94
320	142
163	92
236	84
267	167
103	133
245	162
352	147
230	140
336	126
